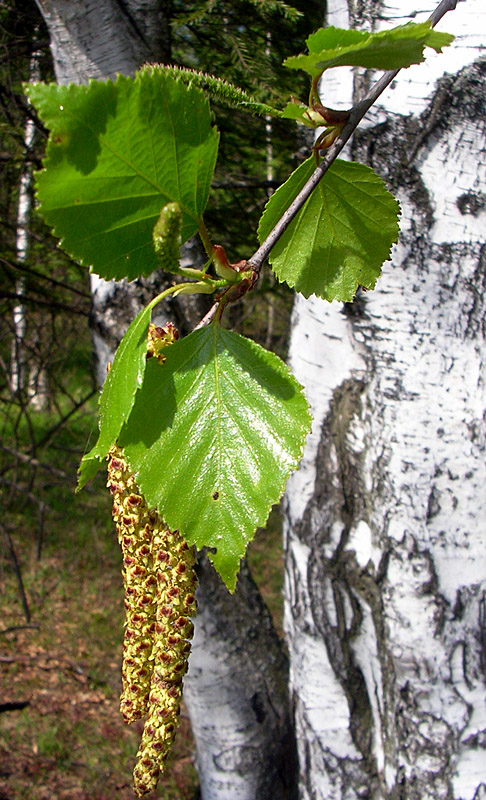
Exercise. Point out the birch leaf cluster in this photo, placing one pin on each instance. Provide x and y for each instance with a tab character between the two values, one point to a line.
213	434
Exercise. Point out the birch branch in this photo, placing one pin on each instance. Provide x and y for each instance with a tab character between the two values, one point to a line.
356	115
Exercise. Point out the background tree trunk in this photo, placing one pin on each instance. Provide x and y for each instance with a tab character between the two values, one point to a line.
385	547
239	708
17	368
237	690
97	40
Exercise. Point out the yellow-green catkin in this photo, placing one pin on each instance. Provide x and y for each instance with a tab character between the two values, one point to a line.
167	237
159	338
134	527
176	604
160	585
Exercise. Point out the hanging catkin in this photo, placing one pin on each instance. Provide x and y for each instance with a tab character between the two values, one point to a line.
160	585
176	604
135	529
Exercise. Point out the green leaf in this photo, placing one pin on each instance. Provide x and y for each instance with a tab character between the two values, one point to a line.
118	395
302	113
340	237
212	438
393	49
118	152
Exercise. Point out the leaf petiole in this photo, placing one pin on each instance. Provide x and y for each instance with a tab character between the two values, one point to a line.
205	286
195	274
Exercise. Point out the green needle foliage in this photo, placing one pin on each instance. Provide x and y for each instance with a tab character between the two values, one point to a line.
245	43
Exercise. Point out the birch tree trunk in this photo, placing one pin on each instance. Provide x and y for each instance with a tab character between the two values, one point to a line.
385	522
17	368
238	704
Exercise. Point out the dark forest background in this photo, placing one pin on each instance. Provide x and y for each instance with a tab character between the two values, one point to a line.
60	584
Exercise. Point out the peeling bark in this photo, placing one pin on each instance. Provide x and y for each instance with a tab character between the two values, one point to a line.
386	553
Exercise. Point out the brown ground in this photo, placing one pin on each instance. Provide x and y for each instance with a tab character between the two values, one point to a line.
69	742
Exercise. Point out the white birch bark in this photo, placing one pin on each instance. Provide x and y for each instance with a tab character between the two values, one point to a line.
385	522
17	365
237	697
98	39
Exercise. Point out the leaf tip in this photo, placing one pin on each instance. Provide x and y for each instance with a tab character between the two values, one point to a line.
88	468
227	573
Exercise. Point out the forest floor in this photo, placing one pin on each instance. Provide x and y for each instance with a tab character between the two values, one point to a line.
69	742
60	658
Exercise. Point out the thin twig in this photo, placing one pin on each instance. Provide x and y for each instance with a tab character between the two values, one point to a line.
40	530
208	318
77	405
14	706
33	462
15	266
18	628
14	486
18	572
37	302
356	115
